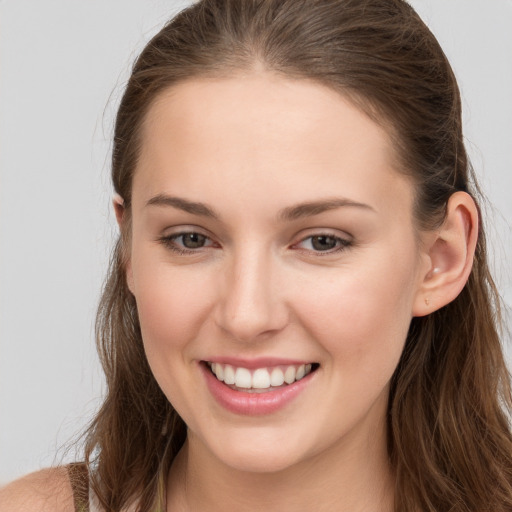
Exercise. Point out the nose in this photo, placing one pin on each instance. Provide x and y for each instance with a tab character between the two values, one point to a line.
251	304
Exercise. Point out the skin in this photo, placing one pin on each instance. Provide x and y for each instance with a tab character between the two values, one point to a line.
251	147
47	490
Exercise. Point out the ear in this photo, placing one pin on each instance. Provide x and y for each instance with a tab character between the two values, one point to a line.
119	210
118	203
449	252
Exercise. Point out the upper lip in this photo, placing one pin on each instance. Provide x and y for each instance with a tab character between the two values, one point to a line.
259	362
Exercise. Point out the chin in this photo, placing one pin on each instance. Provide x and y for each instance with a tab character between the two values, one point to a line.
261	462
259	452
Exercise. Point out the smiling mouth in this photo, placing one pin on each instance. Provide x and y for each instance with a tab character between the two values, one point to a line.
260	380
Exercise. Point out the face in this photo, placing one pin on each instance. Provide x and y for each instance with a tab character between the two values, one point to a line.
273	244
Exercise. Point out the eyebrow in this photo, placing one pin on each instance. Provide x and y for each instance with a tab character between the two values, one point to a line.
290	213
192	207
317	207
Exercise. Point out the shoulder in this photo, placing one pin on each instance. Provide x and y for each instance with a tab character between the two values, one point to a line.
48	490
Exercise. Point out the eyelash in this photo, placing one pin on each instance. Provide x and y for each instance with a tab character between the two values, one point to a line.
342	244
170	243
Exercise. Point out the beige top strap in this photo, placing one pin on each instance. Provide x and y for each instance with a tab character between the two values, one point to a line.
79	479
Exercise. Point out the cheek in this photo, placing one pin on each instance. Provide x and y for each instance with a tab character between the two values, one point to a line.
361	317
172	303
172	307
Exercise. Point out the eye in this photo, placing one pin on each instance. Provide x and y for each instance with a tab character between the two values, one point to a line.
191	240
324	243
187	242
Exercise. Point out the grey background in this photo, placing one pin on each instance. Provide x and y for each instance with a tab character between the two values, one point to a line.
62	68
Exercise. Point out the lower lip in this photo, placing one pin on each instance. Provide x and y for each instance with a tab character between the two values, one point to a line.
253	404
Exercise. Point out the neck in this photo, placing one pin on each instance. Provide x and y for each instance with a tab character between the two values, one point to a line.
349	477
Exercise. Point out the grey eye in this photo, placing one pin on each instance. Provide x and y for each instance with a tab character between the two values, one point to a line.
192	240
323	242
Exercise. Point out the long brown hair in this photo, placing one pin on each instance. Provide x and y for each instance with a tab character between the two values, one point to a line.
449	439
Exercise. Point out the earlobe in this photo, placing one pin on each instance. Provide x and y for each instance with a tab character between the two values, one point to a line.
450	253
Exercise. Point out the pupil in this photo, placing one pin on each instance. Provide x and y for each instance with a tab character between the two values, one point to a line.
323	243
193	240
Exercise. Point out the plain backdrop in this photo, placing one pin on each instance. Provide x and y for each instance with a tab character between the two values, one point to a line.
63	64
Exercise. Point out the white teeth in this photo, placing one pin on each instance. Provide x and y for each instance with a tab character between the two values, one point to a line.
219	371
261	379
277	377
229	374
243	378
289	375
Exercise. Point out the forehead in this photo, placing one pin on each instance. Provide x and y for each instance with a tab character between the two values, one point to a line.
225	137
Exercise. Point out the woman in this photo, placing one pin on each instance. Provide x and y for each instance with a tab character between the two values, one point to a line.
299	313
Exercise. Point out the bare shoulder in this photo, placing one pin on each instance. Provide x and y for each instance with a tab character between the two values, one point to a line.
43	491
